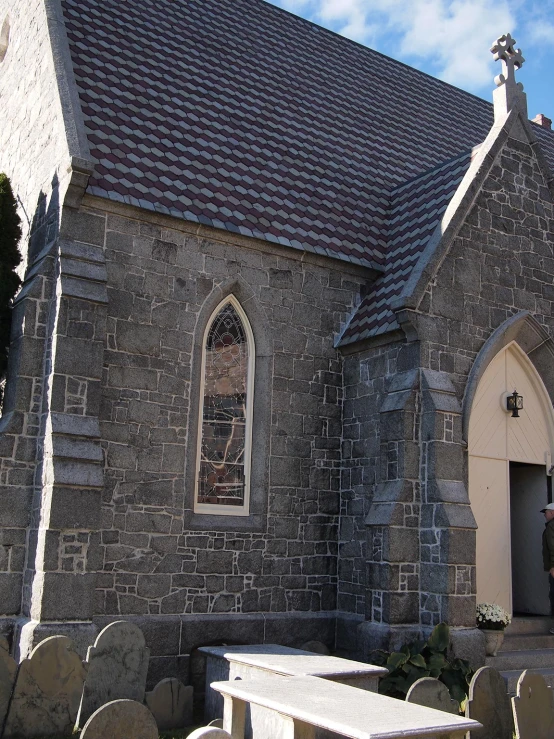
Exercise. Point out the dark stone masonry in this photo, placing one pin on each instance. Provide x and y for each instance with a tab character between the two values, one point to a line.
375	307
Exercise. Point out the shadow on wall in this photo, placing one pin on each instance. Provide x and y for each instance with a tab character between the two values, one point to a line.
45	225
10	258
19	430
44	230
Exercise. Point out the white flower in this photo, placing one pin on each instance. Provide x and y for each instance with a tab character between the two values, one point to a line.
491	613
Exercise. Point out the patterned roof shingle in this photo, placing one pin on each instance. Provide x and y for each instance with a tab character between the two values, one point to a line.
236	114
241	116
416	209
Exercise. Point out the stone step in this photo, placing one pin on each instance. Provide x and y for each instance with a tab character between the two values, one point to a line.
529	625
517	642
522	659
512	676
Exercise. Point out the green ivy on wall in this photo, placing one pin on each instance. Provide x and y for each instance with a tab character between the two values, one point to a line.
10	257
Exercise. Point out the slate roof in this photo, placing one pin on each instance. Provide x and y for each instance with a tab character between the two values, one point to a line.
416	209
239	115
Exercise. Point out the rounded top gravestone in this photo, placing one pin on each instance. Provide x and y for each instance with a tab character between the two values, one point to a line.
117	668
533	707
488	703
171	704
47	690
124	719
122	635
430	692
315	646
209	732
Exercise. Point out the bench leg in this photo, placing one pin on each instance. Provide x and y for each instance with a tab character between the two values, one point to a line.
234	715
293	729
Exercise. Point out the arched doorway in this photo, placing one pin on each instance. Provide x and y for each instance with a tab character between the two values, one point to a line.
509	459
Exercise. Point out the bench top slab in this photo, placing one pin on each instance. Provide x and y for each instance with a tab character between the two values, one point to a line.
289	661
344	709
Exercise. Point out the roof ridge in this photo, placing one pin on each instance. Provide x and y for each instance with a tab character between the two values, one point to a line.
427	172
406	239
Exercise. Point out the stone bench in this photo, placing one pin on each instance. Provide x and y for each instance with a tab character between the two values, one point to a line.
301	705
257	661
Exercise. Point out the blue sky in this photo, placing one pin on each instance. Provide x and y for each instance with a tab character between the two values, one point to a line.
449	39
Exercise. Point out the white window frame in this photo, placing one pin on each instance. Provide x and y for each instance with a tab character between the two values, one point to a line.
212	508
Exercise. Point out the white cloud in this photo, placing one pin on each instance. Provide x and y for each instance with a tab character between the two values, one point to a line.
457	36
352	17
453	35
539	23
295	6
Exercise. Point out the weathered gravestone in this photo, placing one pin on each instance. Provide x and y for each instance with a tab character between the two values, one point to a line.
121	719
317	647
533	708
429	692
47	691
8	671
171	704
209	732
488	703
117	667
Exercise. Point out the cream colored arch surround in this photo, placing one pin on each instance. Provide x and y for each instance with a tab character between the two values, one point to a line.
494	440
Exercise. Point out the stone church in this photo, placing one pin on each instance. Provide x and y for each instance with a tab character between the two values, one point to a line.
279	290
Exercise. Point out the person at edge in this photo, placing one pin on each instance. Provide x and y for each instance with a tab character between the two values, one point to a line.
548	554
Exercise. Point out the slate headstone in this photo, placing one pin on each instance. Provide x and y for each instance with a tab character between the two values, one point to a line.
121	719
533	707
8	672
117	667
488	703
171	704
47	691
209	732
429	692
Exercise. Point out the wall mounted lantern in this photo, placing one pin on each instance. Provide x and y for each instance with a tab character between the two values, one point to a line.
514	403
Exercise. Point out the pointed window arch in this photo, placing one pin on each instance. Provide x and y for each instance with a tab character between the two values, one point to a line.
224	448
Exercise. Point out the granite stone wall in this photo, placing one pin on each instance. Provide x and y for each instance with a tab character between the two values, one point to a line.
366	377
42	163
29	156
404	412
33	145
502	262
155	556
359	474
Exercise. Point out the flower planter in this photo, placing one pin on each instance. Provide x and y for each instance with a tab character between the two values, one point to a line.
491	614
493	641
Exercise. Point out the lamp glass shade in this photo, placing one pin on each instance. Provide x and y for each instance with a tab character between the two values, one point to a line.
514	402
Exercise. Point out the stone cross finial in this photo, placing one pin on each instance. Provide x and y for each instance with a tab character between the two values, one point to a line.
509	93
512	59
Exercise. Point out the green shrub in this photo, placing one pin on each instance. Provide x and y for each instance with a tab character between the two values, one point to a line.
424	659
10	233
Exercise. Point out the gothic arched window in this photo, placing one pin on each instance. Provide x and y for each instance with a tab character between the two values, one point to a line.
225	427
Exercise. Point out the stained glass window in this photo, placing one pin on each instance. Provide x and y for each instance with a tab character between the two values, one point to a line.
224	447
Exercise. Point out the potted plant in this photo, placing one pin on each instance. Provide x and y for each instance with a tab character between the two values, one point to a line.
492	619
